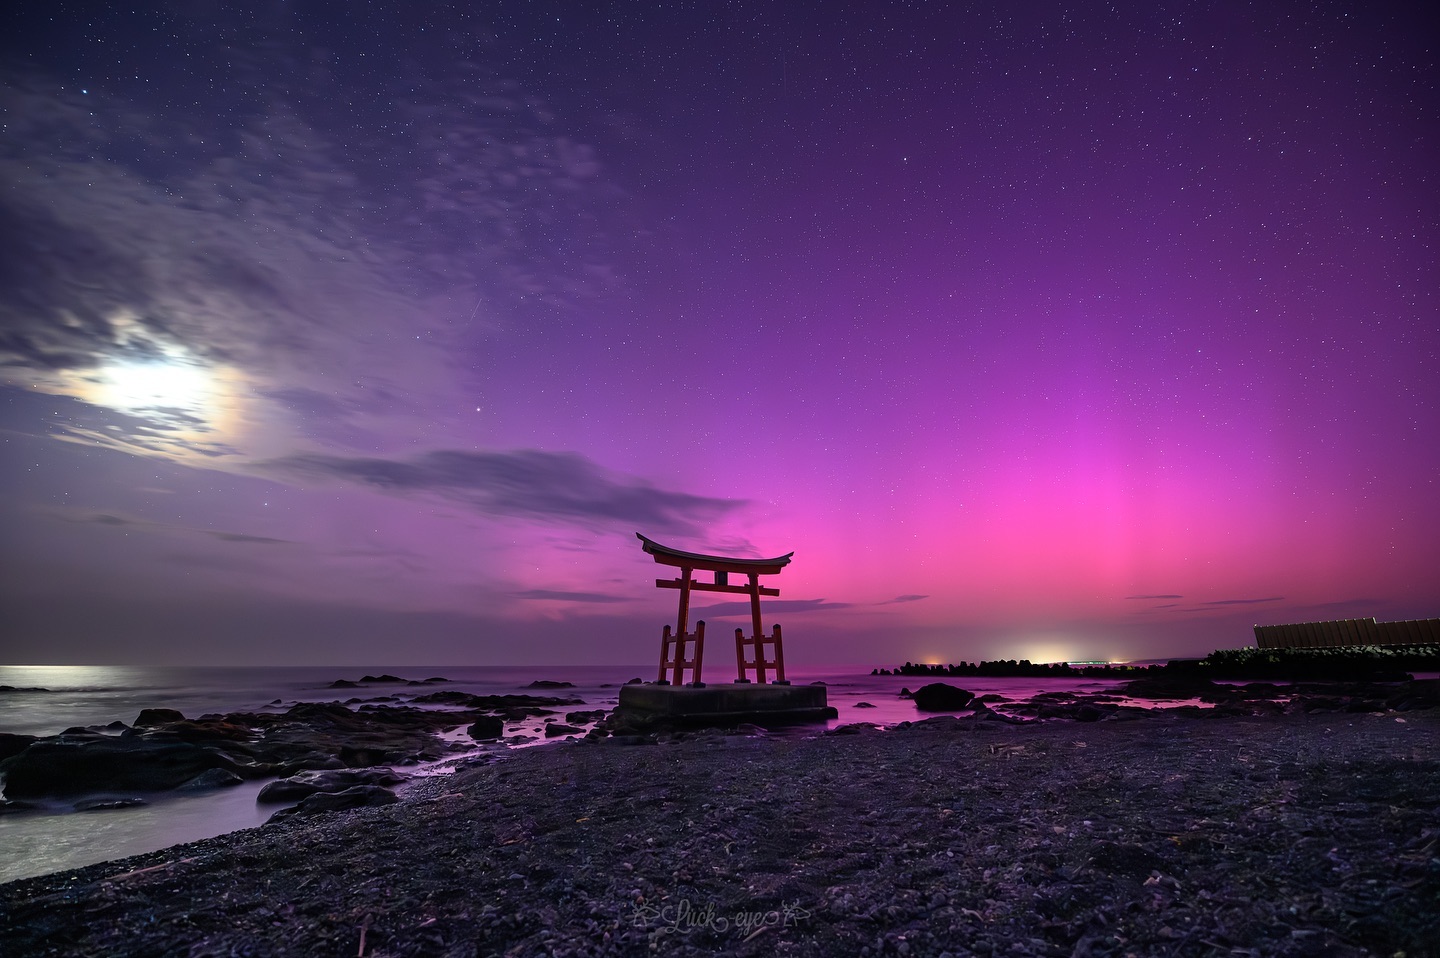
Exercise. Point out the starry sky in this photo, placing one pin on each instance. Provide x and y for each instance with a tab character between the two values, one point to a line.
372	333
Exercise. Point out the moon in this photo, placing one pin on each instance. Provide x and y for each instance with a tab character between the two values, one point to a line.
157	385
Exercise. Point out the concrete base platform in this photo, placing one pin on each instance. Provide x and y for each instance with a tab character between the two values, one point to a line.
727	704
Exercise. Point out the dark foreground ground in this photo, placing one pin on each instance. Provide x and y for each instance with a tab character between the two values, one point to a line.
1173	834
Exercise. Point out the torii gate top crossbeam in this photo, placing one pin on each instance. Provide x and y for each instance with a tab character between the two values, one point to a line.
696	560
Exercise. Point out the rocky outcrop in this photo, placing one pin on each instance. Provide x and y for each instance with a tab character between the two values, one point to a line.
12	744
940	697
321	803
486	728
303	785
75	765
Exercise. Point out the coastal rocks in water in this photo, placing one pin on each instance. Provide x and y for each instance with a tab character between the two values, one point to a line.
321	803
150	717
550	684
108	804
1171	687
454	697
582	718
487	727
13	744
557	729
69	767
211	778
305	784
940	697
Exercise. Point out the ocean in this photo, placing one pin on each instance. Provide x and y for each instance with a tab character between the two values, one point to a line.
49	699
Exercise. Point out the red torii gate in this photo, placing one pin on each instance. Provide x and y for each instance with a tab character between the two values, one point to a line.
672	644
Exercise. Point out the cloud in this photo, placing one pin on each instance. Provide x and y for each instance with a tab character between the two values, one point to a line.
526	483
555	594
1273	598
1154	597
274	245
146	525
903	598
241	537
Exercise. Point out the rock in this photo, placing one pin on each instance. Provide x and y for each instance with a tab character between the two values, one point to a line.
557	729
454	697
581	718
487	727
105	764
854	728
308	783
864	705
550	684
13	744
387	677
940	697
1171	687
321	803
341	684
7	806
636	682
108	804
209	779
937	723
363	756
629	739
150	717
1414	695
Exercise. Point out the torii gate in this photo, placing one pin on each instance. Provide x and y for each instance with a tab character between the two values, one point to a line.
672	645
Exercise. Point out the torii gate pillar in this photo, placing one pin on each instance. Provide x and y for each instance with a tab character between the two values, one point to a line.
683	650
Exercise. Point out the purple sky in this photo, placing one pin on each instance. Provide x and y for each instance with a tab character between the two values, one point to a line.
353	334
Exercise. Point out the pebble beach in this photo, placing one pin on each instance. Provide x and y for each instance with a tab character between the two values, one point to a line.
1170	832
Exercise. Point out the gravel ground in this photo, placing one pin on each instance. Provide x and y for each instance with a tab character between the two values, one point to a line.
1173	834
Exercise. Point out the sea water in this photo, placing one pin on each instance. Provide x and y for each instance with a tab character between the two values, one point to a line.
49	699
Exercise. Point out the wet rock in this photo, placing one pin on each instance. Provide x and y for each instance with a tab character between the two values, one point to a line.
13	744
940	697
108	804
550	684
69	767
1172	687
557	729
853	728
308	783
581	718
387	677
322	803
454	697
487	727
864	705
211	779
149	717
343	684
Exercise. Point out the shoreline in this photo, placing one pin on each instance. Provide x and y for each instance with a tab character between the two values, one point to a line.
1176	832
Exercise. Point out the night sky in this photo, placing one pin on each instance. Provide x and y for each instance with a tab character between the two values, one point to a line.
371	333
